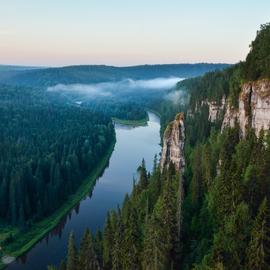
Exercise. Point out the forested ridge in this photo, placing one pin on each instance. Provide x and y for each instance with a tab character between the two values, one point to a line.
140	235
100	73
225	213
46	151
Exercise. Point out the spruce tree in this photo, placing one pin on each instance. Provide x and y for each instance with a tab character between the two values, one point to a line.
155	250
108	237
258	251
143	181
132	241
62	265
118	245
72	254
87	255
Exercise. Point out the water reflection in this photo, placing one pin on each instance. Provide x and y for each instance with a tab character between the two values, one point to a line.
132	144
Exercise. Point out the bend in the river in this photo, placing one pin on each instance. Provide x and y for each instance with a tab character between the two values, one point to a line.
132	144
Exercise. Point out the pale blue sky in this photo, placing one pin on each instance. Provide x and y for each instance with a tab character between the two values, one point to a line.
128	32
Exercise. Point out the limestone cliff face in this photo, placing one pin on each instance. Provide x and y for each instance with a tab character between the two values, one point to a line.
215	109
254	108
173	144
230	117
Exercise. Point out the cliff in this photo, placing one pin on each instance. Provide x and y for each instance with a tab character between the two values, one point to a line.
215	109
173	144
253	110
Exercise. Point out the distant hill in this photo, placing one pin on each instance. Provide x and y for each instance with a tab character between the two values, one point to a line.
17	68
100	73
9	71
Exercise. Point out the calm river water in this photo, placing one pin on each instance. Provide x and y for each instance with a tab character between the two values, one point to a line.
132	144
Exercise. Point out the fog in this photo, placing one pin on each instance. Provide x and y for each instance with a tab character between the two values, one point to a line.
108	89
178	97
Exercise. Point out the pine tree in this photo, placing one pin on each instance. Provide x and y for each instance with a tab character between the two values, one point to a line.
206	162
3	198
117	250
155	165
258	251
72	253
13	201
179	218
87	255
21	218
143	181
197	181
132	241
62	265
232	238
98	244
108	243
155	250
168	215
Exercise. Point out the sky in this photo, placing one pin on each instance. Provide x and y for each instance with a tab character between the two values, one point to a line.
128	32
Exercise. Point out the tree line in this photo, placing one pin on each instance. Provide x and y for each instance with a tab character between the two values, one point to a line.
142	234
46	151
225	213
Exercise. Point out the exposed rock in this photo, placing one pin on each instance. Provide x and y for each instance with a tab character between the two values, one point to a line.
254	108
173	144
260	105
215	109
230	117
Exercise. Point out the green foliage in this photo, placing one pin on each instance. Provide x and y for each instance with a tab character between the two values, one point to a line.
224	215
87	258
143	234
84	259
98	73
46	151
258	248
258	60
226	175
72	260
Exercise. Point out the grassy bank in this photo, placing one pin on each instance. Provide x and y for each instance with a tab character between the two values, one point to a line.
27	239
133	123
154	112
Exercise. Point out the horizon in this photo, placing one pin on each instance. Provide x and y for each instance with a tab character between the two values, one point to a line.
122	33
117	66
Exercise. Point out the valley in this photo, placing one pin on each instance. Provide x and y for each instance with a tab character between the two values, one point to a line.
134	135
108	192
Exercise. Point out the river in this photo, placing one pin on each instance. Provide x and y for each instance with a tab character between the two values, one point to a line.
132	144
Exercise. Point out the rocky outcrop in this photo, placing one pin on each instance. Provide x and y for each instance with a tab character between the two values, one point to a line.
230	117
253	110
173	144
215	109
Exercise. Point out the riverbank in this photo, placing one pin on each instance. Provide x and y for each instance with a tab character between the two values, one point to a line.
154	112
26	240
133	123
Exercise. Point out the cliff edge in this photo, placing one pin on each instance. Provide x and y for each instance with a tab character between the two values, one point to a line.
253	110
173	144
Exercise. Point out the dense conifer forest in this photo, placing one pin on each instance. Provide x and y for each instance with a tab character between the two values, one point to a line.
46	150
53	142
99	73
224	220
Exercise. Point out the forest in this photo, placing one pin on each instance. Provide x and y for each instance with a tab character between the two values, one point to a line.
46	151
44	77
52	142
224	220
